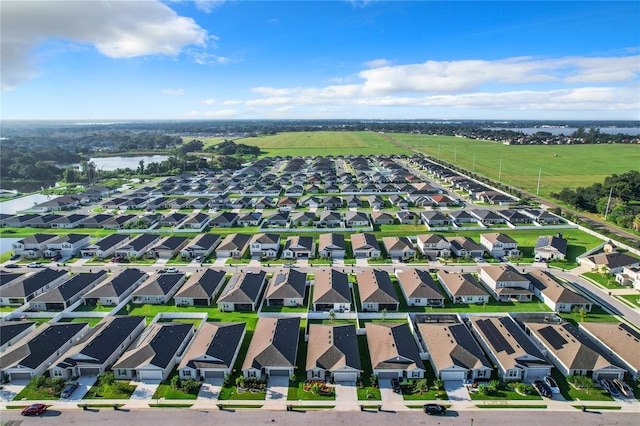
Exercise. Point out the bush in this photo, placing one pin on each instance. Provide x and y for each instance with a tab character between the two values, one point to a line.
191	385
176	383
39	382
495	385
437	383
483	390
521	388
108	378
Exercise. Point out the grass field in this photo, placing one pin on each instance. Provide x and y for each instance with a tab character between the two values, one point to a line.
324	143
562	165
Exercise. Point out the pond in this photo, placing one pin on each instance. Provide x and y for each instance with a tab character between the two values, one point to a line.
112	163
5	244
14	205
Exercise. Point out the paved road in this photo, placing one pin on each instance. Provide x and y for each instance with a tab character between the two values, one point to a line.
166	416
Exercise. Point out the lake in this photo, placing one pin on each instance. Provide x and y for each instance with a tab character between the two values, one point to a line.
112	163
22	203
5	244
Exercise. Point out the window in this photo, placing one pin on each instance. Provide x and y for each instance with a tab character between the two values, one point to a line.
56	373
187	373
415	374
418	300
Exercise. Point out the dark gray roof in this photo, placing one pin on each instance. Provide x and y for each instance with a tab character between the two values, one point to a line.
161	284
8	277
31	284
46	343
69	288
118	284
287	284
219	341
554	241
205	241
203	284
243	288
142	241
11	329
171	243
158	347
274	343
110	241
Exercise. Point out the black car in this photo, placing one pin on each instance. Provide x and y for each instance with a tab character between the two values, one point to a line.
542	388
15	257
12	266
434	409
69	389
395	384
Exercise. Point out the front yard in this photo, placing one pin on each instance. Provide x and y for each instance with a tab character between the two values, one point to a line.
108	388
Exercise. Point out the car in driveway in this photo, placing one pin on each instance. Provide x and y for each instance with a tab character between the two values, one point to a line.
15	257
69	389
609	387
549	381
33	410
431	409
542	388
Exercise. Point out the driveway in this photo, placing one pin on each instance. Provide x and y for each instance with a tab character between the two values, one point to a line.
84	384
346	391
220	261
11	389
144	390
277	388
362	261
210	389
386	391
456	390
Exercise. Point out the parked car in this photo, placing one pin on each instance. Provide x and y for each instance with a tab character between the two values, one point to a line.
548	380
395	384
434	409
117	259
12	266
288	265
172	270
69	389
34	265
542	388
15	257
624	388
56	257
33	410
609	387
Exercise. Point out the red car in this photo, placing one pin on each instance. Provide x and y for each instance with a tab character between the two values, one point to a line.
33	410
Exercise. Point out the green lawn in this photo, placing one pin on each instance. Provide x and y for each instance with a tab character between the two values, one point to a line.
572	394
367	392
165	391
31	392
606	280
562	165
119	390
634	299
321	143
596	315
507	393
92	321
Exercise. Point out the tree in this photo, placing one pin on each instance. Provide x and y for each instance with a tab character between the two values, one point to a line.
332	315
422	386
141	167
483	390
384	314
437	383
98	304
494	385
175	382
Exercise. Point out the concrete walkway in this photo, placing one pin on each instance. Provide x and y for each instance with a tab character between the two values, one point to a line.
456	390
210	389
12	389
277	389
144	390
346	393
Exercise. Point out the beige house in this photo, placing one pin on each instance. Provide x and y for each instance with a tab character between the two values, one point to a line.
332	353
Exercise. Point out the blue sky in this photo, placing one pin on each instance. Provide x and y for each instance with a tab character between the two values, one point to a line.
92	59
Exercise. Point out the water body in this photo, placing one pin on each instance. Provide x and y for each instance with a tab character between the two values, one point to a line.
112	163
22	203
5	244
569	130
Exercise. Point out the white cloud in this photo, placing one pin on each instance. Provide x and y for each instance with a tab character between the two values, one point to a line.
221	113
232	102
207	6
117	29
377	63
172	92
209	102
204	58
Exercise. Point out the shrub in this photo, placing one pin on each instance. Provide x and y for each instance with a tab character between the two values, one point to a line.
108	378
437	383
176	383
39	382
521	388
190	385
483	390
494	385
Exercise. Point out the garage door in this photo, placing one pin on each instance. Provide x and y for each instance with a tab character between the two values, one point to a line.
609	376
150	375
388	375
454	375
344	377
279	372
20	376
213	374
89	371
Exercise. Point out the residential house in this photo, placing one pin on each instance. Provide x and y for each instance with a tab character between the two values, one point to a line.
202	245
224	220
168	247
365	246
460	217
329	219
277	219
299	247
441	200
213	351
354	219
558	297
332	246
407	217
433	218
106	246
399	247
159	288
514	217
116	289
67	245
242	292
375	201
265	245
463	288
453	352
201	288
273	348
506	284
287	288
466	247
382	218
331	291
550	247
510	349
102	346
398	201
154	354
488	217
612	262
158	203
119	221
499	245
233	245
197	221
32	355
353	201
21	291
393	351
12	332
630	276
376	291
433	246
419	289
69	221
66	294
618	340
542	217
34	246
303	219
172	220
250	219
96	221
287	204
138	246
573	352
332	353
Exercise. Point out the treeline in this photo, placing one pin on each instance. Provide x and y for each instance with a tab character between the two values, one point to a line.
231	148
618	198
19	162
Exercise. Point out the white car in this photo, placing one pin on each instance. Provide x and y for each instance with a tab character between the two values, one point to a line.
172	270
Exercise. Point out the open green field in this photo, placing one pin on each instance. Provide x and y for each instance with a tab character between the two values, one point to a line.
562	165
324	143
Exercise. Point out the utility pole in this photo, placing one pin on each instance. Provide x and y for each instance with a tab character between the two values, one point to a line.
608	203
539	175
500	171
